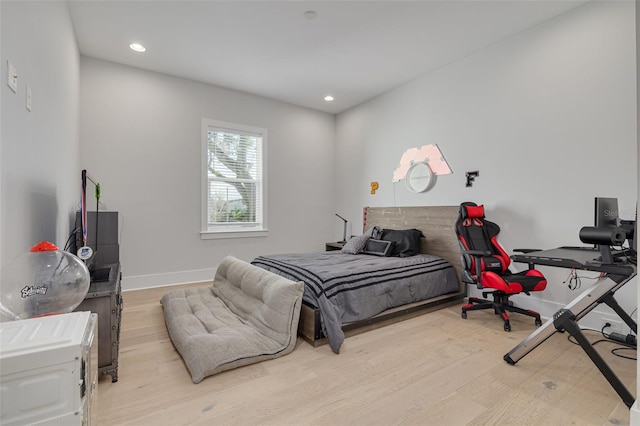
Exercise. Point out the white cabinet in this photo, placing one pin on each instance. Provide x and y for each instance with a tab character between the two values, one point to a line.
48	369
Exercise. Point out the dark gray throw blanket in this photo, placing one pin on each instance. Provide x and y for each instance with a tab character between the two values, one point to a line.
349	287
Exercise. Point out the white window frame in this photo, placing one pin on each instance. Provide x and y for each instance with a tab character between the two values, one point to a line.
259	229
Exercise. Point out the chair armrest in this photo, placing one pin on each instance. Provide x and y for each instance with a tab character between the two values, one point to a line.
477	254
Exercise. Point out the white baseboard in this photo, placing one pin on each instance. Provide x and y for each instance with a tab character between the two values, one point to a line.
140	282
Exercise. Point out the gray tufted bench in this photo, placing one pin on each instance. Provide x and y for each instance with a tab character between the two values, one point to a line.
248	315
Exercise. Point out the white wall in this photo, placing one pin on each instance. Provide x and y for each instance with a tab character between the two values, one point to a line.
542	115
548	117
141	138
39	172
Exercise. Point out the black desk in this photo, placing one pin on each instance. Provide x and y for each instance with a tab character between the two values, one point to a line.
585	258
602	291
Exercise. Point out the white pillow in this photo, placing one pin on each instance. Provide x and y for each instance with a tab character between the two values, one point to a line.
355	244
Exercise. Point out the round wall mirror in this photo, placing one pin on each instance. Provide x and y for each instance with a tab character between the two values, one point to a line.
420	177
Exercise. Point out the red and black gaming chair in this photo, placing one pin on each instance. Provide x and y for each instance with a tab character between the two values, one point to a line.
486	264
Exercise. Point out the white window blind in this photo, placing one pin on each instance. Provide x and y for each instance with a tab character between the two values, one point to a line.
233	190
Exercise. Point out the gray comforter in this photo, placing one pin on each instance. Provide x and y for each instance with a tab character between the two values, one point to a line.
349	287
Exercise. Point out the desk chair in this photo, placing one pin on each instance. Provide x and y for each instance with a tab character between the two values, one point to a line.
486	264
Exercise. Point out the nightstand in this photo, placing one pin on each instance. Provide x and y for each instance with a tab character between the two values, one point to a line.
333	246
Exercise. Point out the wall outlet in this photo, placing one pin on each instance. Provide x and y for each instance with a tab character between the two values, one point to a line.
616	325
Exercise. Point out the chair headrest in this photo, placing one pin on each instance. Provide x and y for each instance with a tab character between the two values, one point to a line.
471	210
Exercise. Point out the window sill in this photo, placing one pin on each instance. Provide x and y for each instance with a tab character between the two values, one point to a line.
216	235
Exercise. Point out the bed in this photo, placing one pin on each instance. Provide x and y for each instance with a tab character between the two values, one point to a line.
346	294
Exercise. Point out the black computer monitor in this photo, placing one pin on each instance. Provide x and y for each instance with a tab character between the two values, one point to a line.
606	212
607	216
630	228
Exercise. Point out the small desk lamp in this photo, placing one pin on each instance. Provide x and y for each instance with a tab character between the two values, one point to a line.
344	231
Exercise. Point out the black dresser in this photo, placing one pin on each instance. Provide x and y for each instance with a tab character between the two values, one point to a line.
105	299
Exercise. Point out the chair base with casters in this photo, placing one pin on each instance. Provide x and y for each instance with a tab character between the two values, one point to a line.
500	305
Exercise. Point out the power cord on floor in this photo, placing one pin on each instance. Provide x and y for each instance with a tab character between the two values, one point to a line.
616	350
628	344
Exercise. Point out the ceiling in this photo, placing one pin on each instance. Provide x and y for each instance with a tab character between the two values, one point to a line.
353	50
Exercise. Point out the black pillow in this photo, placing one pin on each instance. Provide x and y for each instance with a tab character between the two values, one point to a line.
407	241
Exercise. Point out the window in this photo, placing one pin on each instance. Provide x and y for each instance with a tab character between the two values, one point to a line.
233	196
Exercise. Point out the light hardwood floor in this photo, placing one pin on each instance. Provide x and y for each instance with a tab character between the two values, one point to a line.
435	369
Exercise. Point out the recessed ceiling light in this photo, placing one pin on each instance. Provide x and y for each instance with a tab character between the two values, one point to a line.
310	15
328	98
137	47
